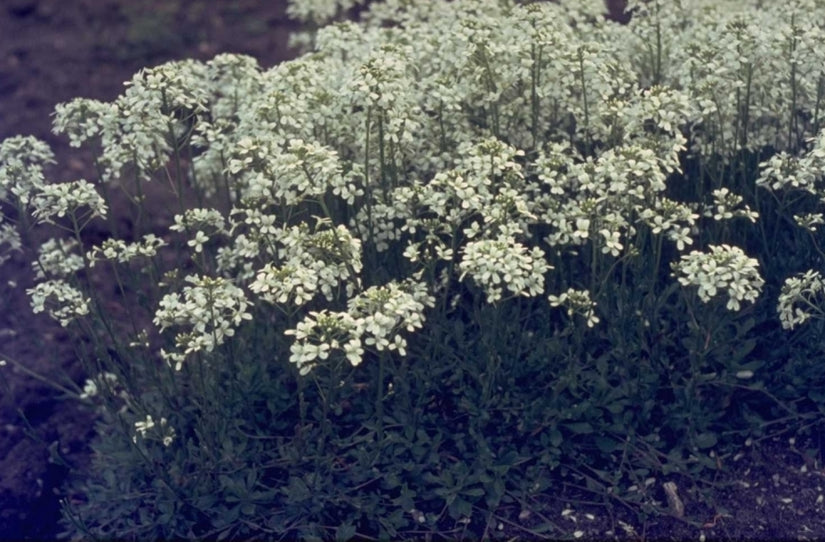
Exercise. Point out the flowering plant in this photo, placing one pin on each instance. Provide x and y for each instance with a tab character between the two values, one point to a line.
453	228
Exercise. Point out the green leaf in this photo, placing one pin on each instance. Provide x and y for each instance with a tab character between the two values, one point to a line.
460	508
345	532
705	440
473	492
223	535
580	428
297	489
744	348
605	444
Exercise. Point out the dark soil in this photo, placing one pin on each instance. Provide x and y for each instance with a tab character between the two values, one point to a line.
50	52
54	50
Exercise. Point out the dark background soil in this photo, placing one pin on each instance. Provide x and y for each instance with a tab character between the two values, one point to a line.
50	52
54	50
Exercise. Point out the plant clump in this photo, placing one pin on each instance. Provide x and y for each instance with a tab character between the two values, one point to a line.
456	254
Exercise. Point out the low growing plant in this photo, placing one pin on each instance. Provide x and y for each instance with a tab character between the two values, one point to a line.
462	252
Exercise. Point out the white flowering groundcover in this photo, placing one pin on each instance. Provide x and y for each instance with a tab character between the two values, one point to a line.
456	253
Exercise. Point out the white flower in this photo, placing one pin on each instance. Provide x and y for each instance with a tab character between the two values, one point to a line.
496	264
612	242
92	386
577	302
199	218
724	207
144	430
354	351
320	333
57	259
801	298
809	221
681	236
280	285
724	268
198	242
22	159
62	301
382	312
123	252
58	200
582	230
212	308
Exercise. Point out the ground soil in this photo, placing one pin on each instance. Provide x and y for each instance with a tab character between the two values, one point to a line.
54	50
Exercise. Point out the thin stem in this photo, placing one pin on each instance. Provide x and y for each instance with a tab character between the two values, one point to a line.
379	400
584	101
535	74
792	112
38	376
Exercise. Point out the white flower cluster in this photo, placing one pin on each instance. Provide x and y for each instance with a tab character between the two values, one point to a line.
725	268
809	221
212	307
200	221
474	137
801	298
373	318
82	119
383	87
57	259
333	255
298	99
22	159
485	191
624	186
117	250
254	234
58	200
304	170
60	299
323	332
92	386
165	432
145	124
231	79
381	312
495	264
577	302
285	284
805	173
651	119
746	65
674	218
784	171
319	11
724	207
